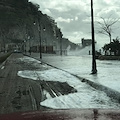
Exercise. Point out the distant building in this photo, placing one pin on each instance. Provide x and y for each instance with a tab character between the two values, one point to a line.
86	42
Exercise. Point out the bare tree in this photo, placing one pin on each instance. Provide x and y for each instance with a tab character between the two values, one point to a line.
106	26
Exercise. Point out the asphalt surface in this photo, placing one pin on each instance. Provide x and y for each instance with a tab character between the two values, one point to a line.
18	95
16	92
21	94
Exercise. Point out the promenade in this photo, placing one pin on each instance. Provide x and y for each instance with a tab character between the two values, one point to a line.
16	93
20	94
24	94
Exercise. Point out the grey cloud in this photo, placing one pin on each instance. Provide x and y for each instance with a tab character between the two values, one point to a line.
81	9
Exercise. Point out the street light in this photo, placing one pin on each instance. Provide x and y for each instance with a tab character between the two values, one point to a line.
94	70
39	30
40	48
24	43
29	45
44	41
60	36
40	41
61	44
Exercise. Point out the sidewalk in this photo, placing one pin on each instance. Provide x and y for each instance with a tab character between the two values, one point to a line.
3	56
24	94
16	93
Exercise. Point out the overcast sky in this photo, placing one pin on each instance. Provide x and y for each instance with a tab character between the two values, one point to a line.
73	17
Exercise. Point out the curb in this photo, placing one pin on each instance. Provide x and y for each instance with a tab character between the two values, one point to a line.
110	92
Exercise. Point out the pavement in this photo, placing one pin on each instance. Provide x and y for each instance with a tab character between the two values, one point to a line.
16	93
19	95
23	94
3	56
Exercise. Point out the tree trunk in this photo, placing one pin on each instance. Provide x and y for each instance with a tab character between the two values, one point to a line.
110	41
110	38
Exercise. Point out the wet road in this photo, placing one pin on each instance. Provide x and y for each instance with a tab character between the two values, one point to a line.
108	71
80	66
11	97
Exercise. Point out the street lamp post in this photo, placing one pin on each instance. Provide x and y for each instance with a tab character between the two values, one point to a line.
29	45
39	29
44	40
94	70
39	33
24	46
40	41
61	44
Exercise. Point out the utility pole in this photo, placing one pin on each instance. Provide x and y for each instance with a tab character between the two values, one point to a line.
39	34
94	70
29	38
39	30
61	43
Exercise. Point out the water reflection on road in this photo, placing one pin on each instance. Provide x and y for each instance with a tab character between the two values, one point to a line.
80	65
108	71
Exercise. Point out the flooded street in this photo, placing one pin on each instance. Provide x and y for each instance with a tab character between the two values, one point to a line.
85	96
80	65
